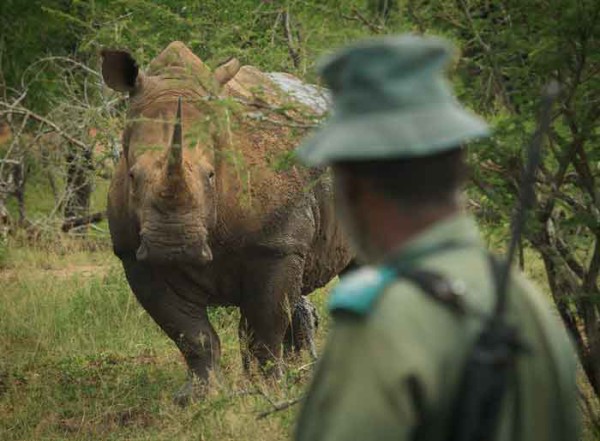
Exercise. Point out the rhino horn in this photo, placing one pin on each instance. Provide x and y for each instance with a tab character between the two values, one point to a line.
175	156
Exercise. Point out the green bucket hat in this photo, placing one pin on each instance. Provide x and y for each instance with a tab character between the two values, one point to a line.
390	100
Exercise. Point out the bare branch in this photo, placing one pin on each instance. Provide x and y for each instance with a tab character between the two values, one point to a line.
278	407
289	36
58	58
14	142
74	222
357	16
41	119
275	26
558	179
569	258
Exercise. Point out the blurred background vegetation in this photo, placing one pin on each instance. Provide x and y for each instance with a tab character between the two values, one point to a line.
59	131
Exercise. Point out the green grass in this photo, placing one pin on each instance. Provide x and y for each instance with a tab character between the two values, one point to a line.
81	360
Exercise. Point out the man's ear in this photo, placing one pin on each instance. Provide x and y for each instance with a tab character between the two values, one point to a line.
226	71
119	70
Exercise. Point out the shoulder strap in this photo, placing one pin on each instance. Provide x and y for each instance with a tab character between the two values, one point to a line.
446	291
438	287
359	290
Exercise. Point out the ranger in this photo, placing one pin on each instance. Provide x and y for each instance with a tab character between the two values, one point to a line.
405	325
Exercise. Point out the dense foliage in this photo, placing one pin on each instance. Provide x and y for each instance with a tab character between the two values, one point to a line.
511	50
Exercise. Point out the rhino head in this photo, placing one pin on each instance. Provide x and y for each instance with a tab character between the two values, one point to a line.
169	152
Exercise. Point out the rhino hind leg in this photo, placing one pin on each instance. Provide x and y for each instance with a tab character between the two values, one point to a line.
262	346
300	335
185	322
271	286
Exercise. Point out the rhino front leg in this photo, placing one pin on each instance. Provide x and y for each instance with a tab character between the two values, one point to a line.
165	295
271	289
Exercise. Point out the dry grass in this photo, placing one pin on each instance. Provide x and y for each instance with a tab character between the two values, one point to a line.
80	359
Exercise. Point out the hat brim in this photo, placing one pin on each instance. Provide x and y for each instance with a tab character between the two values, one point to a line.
392	135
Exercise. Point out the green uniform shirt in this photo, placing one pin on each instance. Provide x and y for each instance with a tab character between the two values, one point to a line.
393	361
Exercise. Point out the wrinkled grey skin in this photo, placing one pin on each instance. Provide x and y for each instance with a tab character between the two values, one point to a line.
186	243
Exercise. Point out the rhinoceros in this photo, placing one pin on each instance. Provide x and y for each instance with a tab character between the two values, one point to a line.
207	207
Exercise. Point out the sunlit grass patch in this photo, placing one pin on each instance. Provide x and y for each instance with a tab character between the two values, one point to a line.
62	313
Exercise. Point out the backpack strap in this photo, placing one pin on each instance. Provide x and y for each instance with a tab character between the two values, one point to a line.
448	291
438	287
358	291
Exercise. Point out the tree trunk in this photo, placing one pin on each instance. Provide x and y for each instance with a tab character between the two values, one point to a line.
19	192
79	182
382	8
575	305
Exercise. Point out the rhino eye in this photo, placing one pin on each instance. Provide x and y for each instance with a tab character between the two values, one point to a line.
211	176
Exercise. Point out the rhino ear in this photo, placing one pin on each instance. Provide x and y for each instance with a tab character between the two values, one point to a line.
119	70
226	71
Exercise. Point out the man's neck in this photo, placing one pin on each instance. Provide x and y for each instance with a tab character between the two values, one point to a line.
391	229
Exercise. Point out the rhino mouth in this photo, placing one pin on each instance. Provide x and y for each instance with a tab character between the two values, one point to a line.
198	253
